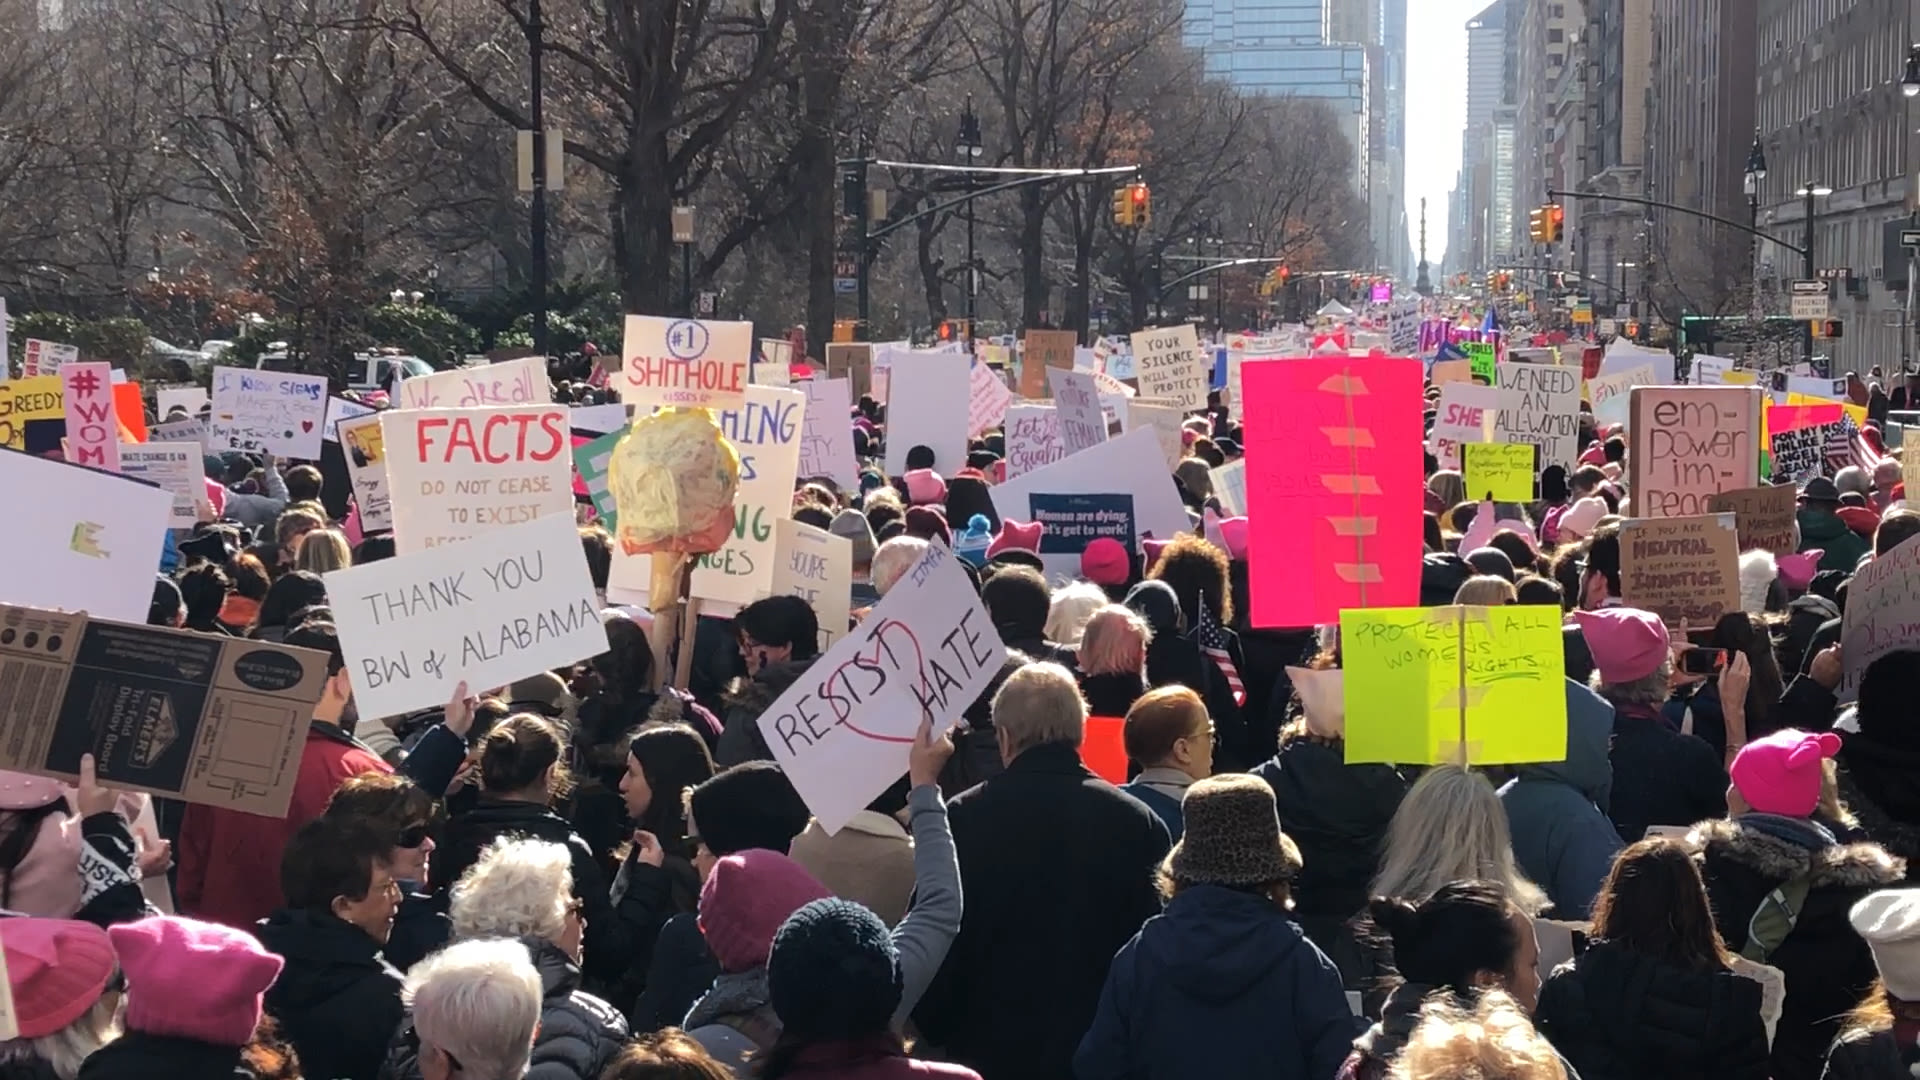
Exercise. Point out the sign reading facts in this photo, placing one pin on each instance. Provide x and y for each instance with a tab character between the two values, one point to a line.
1688	444
453	474
685	362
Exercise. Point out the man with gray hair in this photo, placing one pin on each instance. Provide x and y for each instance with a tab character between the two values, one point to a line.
475	1008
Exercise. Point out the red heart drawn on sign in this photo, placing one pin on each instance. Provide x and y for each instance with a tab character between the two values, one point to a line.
306	425
920	664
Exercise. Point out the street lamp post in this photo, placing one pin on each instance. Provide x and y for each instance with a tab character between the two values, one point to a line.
1620	294
1809	191
970	151
1756	172
537	207
1909	89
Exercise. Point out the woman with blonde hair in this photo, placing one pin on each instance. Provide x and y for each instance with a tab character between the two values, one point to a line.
1486	590
323	551
1451	827
1491	1041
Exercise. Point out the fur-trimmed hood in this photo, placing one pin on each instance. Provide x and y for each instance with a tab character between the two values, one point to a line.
1862	865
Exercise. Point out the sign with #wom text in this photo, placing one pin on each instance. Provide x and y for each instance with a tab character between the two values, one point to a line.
843	730
487	611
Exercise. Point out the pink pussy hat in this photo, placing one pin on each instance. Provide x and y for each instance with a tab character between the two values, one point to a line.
1627	644
1780	774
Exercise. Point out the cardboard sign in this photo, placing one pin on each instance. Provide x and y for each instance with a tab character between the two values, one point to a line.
511	603
817	567
1681	568
1447	372
1688	444
46	357
1230	487
1764	517
365	448
1882	615
1608	394
689	363
1044	349
1167	364
173	467
190	400
1074	521
273	412
203	718
826	437
1130	465
458	473
852	361
841	733
1032	438
1163	419
1540	406
25	400
93	436
510	382
1461	685
1465	414
923	399
1502	472
1077	405
339	409
86	541
181	431
1334	487
775	367
987	399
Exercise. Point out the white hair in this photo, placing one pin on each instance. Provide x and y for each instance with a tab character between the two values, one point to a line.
893	559
1039	704
1069	609
480	1002
518	888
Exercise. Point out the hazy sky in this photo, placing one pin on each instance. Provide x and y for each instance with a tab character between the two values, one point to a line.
1436	111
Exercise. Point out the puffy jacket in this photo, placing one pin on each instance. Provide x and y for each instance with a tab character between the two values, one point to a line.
1823	529
1562	837
1622	1015
1221	984
1862	1054
337	1001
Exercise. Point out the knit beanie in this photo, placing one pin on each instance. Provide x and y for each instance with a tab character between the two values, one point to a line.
834	973
752	805
56	969
1105	562
1024	536
1780	774
924	486
744	901
929	523
972	542
852	525
193	980
1232	835
1887	920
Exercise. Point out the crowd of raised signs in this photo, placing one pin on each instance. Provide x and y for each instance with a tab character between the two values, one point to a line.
1112	715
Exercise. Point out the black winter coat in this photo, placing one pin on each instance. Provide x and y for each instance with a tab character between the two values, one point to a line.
1057	867
1621	1015
683	968
337	1001
1872	1055
1661	777
1878	783
138	1056
648	897
1828	968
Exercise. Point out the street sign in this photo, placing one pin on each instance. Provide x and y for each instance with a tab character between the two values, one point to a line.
846	285
1809	300
706	303
683	224
1583	314
1910	237
1607	326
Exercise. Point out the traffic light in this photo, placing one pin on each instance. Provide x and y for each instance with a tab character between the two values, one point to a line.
1123	206
952	330
1142	200
1537	224
1554	217
1827	328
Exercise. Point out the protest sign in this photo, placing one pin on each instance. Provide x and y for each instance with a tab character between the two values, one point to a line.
1481	362
1800	454
1033	438
816	566
457	473
1465	414
203	718
987	399
1044	349
882	368
513	602
852	361
181	431
1502	472
1077	406
509	382
775	367
339	409
1710	370
1130	464
93	435
273	412
1447	372
1540	406
85	541
842	732
598	419
1461	685
1609	394
1334	487
1403	328
1074	521
590	462
1683	569
46	357
364	448
1763	517
1622	355
1119	364
690	363
186	399
826	436
175	468
1230	487
1163	418
25	400
1882	614
1687	444
923	409
1167	364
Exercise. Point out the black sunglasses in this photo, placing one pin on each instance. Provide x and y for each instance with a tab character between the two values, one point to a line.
411	837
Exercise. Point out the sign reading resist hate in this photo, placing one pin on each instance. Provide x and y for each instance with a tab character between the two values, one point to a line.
457	473
512	603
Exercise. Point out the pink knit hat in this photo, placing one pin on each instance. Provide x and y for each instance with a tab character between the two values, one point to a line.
1151	550
1627	644
1780	774
56	970
193	980
1015	535
1105	561
1797	570
1581	517
925	486
744	901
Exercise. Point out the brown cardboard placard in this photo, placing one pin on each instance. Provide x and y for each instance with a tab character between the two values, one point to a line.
1044	349
199	717
1763	515
1683	569
1687	444
851	360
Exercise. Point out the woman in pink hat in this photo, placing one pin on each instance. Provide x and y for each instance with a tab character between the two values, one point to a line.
68	852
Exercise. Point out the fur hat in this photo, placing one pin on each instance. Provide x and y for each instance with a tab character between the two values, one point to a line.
1757	571
1232	835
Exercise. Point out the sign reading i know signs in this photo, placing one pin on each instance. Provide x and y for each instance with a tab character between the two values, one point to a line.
1688	444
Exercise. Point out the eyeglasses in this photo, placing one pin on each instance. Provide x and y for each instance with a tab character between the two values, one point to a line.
576	906
411	837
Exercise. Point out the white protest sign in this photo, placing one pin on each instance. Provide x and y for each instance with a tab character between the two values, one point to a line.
1710	370
1168	364
1230	487
1540	406
599	419
364	447
487	611
1077	409
181	431
923	409
510	382
1465	414
841	733
776	363
826	438
686	362
458	473
1608	393
816	566
175	467
1131	465
1625	356
187	399
1032	438
274	412
987	399
85	541
1882	615
1164	418
339	409
46	357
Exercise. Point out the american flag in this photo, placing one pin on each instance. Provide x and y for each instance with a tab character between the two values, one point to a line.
1213	641
1845	447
